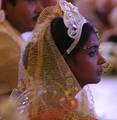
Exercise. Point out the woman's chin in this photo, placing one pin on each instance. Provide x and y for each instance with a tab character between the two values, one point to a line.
98	79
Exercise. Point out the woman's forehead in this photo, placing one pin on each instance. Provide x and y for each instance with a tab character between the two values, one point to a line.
93	40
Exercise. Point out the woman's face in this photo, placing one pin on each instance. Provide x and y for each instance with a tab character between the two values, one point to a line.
87	66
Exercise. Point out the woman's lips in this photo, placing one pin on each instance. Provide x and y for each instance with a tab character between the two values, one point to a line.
100	71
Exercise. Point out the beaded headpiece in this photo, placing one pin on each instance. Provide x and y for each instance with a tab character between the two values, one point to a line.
73	20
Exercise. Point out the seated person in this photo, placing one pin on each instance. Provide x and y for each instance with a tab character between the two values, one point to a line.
20	16
61	59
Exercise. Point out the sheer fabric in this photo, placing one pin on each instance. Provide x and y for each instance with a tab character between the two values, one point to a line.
47	87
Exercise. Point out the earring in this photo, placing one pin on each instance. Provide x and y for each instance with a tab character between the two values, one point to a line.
107	67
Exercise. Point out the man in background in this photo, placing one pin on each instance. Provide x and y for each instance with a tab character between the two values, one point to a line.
21	16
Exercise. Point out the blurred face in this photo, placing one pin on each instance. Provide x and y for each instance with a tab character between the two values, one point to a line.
24	13
87	66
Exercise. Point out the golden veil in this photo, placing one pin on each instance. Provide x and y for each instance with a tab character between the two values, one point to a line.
47	87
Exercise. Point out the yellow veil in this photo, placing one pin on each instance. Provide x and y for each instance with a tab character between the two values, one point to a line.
47	87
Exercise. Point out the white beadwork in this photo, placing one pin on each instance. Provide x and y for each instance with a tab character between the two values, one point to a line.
73	20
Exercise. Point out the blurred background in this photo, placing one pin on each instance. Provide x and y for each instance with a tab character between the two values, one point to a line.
103	15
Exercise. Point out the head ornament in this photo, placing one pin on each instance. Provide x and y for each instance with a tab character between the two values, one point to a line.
74	21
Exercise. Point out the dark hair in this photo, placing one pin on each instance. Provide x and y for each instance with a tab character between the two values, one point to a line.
63	41
4	3
13	2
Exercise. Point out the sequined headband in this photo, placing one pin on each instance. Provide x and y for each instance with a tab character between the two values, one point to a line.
74	21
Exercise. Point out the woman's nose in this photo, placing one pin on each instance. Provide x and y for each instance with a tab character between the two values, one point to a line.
101	60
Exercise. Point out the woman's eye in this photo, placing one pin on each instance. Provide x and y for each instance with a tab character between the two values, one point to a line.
92	53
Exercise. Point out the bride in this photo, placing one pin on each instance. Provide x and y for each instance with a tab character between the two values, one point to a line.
61	58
